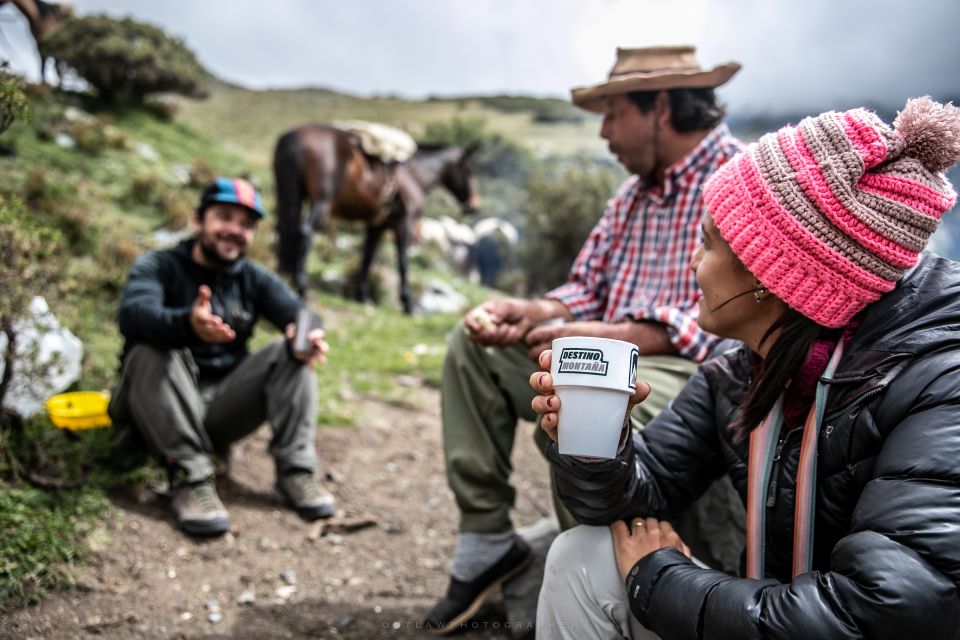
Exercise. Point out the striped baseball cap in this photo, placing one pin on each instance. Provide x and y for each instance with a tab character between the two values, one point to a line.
232	191
829	214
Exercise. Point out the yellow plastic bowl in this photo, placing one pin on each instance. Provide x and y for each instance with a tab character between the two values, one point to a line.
79	410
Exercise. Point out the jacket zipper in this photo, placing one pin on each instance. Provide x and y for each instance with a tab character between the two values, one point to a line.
778	454
775	469
869	393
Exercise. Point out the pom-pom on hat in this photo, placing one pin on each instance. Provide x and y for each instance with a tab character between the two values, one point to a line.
829	214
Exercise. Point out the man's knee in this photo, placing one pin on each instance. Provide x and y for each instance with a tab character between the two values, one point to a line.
145	355
279	350
458	344
146	362
300	378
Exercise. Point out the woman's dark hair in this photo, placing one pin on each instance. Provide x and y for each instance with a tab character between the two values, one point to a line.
690	109
784	360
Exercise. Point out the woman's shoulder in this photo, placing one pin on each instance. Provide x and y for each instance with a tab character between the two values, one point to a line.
920	315
729	370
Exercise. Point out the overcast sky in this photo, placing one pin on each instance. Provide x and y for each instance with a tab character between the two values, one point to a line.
798	55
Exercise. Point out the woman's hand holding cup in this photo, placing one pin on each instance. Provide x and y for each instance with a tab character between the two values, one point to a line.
547	403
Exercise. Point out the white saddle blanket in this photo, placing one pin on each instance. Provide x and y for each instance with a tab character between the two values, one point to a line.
381	141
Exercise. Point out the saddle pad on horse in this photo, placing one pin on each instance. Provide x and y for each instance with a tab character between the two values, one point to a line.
387	143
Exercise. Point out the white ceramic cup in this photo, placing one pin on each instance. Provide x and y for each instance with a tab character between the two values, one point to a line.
594	378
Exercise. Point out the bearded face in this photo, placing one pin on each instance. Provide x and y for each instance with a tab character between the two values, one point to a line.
224	234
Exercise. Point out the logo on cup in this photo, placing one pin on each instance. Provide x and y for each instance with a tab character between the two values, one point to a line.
633	369
589	361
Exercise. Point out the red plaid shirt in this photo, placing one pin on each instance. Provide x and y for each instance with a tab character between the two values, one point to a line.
635	263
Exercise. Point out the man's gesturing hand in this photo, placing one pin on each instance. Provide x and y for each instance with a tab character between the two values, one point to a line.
207	326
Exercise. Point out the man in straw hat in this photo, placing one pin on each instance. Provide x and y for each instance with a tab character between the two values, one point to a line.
630	281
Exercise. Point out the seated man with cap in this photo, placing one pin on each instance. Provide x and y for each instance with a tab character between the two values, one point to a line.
188	383
631	281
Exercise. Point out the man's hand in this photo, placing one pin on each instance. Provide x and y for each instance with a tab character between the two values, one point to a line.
547	404
498	322
650	337
318	346
207	326
644	536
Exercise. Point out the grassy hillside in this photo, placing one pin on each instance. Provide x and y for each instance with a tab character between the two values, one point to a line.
108	182
249	122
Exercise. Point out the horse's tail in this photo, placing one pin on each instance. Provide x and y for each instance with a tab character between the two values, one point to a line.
286	172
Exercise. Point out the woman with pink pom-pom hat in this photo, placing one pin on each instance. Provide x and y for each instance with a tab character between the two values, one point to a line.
837	418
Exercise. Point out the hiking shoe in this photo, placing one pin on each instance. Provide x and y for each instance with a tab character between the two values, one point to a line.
199	510
302	492
464	599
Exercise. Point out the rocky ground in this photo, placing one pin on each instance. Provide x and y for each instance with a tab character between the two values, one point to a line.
274	576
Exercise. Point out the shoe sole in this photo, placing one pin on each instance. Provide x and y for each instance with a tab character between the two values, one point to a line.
316	513
310	514
454	625
206	528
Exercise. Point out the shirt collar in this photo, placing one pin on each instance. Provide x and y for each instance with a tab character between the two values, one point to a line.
679	173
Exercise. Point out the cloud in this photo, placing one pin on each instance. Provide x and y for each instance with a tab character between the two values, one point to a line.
804	56
796	56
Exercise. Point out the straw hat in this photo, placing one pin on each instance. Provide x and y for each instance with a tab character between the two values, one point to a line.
653	68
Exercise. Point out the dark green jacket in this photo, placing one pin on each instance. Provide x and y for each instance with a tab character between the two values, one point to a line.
162	286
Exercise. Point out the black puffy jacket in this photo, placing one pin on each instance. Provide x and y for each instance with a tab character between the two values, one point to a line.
887	529
162	286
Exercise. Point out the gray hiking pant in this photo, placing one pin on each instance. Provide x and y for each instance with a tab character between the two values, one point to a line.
583	595
184	419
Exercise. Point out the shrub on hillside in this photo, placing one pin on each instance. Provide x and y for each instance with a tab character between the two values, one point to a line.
201	173
560	211
144	189
96	135
55	203
555	112
13	103
126	60
177	208
26	268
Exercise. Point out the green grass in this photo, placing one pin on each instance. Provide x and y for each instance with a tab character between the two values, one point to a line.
249	122
43	535
44	532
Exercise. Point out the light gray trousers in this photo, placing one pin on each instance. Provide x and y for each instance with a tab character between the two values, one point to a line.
185	420
583	595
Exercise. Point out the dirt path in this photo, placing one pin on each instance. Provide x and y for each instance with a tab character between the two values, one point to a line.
147	580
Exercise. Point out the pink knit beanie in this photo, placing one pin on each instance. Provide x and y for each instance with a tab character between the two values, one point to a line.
829	214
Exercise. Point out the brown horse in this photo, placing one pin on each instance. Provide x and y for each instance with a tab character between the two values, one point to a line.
326	167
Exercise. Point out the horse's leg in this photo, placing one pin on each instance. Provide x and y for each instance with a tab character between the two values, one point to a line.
402	234
317	208
362	288
320	215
